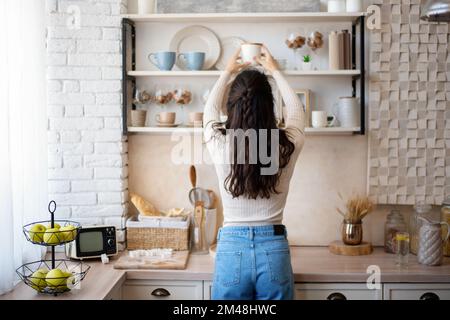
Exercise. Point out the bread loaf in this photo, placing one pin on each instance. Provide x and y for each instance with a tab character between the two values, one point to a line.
144	207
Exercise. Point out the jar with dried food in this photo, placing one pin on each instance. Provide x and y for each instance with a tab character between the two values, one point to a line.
182	96
394	224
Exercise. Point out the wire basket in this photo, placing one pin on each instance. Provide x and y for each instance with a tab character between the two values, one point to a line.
40	275
39	233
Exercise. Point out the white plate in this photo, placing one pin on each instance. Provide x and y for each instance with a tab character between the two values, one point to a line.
229	46
196	38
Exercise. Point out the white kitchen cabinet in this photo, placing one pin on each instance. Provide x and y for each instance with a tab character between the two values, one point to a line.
335	291
207	287
162	290
417	291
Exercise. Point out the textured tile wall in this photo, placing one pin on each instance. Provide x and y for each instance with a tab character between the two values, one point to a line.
409	108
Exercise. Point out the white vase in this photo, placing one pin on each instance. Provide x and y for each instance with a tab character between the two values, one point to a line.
306	66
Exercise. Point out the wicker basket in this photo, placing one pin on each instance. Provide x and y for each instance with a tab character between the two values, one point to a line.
158	237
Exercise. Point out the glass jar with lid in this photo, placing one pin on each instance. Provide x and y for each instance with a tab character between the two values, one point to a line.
394	224
421	209
445	217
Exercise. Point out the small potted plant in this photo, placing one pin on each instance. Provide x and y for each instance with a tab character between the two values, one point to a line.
356	208
306	62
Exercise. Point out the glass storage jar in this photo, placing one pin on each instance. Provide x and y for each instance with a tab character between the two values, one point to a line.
394	224
445	217
421	209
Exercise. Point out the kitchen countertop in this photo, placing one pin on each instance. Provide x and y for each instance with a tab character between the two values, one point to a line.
310	264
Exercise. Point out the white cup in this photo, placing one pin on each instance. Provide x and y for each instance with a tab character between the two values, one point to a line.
354	5
250	51
336	5
146	6
319	119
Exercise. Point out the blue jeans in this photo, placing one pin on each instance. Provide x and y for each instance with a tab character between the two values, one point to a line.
252	263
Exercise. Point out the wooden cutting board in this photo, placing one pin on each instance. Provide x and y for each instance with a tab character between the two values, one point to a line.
178	261
338	247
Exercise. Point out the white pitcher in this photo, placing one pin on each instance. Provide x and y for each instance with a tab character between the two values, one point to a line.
348	112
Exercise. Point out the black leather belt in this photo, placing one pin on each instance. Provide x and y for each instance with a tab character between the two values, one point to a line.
279	229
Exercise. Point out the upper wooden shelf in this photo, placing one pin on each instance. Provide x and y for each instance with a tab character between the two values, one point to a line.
248	17
216	73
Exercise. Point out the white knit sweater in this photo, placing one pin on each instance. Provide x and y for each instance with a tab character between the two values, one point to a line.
242	211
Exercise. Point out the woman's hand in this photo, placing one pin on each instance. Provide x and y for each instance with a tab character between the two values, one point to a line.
267	61
233	65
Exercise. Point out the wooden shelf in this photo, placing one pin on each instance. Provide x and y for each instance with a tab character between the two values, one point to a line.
164	130
248	17
332	130
308	131
216	73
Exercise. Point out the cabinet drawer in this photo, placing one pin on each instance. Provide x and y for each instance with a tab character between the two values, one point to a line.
335	291
162	290
416	291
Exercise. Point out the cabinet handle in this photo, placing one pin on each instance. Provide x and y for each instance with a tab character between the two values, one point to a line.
336	296
160	292
429	296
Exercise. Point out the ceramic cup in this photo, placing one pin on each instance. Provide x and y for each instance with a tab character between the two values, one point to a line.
165	117
146	6
196	118
320	119
192	60
249	51
163	60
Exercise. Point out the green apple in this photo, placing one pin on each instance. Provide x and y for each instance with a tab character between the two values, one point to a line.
38	280
36	232
56	225
57	279
68	232
43	270
52	236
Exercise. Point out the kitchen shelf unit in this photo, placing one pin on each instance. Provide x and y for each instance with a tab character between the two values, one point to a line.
129	72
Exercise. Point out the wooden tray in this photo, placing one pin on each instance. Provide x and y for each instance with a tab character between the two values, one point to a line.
178	261
338	247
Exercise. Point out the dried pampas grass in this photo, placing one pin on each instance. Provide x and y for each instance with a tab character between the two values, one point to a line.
356	208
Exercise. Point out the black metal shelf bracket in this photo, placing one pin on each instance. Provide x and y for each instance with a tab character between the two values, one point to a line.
361	77
128	27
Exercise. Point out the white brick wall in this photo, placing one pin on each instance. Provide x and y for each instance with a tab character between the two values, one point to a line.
87	154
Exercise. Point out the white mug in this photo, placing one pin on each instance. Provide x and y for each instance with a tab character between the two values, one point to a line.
146	6
354	5
320	119
250	51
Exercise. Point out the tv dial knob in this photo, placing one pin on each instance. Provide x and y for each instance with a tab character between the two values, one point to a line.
110	242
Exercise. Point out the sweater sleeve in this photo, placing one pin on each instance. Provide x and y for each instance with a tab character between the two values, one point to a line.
211	113
295	114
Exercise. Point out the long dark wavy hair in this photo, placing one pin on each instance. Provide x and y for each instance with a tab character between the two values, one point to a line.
250	105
